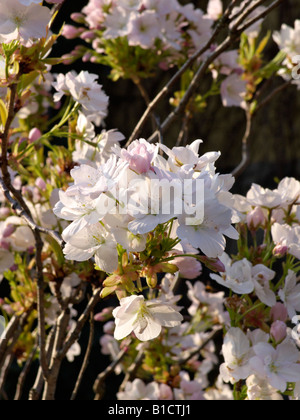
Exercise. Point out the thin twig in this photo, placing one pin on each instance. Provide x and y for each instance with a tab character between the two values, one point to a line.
169	86
196	352
99	386
130	374
245	147
230	40
272	95
20	212
24	374
86	357
246	158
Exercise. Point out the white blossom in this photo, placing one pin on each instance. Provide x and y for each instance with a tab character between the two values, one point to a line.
290	294
138	390
236	352
144	318
278	366
259	389
25	22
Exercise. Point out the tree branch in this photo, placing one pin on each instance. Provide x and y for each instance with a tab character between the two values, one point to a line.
245	147
234	35
86	357
169	86
99	386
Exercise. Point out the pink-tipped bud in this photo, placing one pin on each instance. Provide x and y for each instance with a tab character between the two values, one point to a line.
109	327
213	264
34	135
78	17
279	312
189	267
87	36
71	32
4	245
104	316
278	331
255	219
4	212
8	231
41	184
280	251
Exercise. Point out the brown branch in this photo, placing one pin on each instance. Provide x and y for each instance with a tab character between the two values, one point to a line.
196	352
130	374
246	156
24	374
272	95
245	147
234	35
169	86
99	386
22	208
86	357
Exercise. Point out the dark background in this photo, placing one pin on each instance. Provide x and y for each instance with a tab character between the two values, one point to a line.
274	153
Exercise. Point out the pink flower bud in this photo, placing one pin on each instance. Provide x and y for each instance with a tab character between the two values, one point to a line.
87	36
105	315
4	212
78	17
140	155
278	331
189	267
41	184
255	219
213	264
14	268
8	231
70	32
86	57
279	312
34	135
280	251
109	327
4	245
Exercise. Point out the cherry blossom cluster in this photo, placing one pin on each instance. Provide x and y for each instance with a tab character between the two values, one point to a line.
146	238
164	27
261	350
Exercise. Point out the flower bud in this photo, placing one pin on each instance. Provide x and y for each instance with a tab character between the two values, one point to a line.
104	315
34	135
280	251
41	184
255	219
189	267
4	212
278	331
279	312
152	281
70	32
213	264
9	230
78	17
